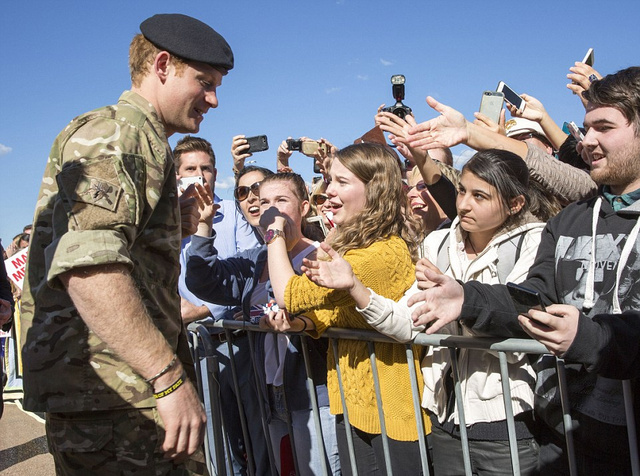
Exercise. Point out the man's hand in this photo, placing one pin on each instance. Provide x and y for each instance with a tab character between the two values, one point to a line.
580	77
183	416
447	130
442	302
556	329
189	214
191	313
5	311
335	273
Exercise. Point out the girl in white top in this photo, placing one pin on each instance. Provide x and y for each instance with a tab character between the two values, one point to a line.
494	239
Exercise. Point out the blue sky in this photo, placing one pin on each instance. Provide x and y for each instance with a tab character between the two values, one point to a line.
314	68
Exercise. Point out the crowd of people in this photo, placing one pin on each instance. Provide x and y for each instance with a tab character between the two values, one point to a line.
130	244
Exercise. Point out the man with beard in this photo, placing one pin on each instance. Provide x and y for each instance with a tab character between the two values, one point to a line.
588	273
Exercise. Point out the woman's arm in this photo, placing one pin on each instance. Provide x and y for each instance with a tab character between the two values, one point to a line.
384	315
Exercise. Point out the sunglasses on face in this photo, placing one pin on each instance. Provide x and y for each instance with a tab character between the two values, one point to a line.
319	199
420	186
242	192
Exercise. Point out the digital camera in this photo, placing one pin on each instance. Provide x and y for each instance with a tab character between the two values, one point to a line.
397	89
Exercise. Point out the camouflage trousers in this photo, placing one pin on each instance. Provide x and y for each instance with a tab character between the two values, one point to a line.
120	442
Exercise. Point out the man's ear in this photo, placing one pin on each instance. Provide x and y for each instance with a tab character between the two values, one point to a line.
162	65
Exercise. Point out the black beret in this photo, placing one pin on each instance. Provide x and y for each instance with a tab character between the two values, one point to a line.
188	38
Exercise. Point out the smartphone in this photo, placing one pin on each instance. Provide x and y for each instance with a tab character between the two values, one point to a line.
511	96
184	182
311	147
257	144
575	131
491	105
524	298
588	58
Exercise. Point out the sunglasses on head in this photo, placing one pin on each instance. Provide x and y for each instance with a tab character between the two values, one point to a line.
242	192
319	199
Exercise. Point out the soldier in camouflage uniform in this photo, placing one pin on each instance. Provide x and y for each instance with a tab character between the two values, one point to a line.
105	352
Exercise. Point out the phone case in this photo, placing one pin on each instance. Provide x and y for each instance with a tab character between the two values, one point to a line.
524	298
491	105
257	143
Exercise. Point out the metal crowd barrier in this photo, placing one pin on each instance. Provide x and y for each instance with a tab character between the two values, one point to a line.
203	348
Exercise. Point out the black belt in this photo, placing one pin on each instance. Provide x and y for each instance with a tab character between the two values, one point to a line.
222	337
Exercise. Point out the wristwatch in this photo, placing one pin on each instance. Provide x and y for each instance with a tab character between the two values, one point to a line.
271	235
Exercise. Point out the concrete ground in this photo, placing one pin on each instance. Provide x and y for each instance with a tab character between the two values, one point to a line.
23	445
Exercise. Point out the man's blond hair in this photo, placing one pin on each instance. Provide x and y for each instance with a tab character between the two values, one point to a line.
142	54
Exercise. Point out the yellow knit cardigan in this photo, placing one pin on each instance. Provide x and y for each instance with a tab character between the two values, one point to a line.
385	267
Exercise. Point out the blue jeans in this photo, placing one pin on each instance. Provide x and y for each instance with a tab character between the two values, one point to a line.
307	445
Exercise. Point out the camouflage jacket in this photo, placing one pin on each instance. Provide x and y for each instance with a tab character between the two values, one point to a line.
108	196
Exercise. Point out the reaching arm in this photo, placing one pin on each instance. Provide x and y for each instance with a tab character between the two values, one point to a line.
97	288
451	128
385	315
535	111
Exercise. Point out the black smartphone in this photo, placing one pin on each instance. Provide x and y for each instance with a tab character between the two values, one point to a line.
524	298
257	144
511	96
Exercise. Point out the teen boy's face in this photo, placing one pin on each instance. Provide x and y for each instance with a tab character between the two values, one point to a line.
611	147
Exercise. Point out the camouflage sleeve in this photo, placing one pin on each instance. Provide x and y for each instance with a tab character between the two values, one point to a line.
101	192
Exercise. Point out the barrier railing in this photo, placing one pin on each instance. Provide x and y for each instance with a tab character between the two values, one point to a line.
203	346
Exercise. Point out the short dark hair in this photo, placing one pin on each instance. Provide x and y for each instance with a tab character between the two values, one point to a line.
620	90
192	144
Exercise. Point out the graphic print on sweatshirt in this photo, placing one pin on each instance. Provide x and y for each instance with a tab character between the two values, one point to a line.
590	394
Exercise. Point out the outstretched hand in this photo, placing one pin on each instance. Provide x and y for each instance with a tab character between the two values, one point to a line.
335	273
442	303
446	130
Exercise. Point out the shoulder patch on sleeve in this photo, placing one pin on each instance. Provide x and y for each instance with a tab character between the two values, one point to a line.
96	191
94	194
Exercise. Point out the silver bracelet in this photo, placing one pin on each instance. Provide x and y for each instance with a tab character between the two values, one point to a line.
163	371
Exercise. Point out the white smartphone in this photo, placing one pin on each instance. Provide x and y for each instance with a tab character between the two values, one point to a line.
588	58
511	96
491	104
184	182
575	131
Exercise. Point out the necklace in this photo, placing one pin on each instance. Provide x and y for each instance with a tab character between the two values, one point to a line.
471	244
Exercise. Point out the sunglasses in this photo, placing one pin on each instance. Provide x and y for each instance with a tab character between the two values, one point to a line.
319	199
420	186
242	192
